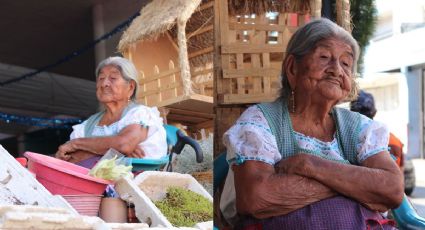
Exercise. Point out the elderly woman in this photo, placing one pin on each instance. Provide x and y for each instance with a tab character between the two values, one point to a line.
302	163
132	129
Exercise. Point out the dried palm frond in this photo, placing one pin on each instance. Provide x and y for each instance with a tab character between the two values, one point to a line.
247	7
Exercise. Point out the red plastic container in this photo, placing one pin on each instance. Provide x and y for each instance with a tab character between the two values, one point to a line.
64	178
22	160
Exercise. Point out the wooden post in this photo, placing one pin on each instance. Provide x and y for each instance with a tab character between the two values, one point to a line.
183	57
142	88
316	8
343	14
173	77
158	82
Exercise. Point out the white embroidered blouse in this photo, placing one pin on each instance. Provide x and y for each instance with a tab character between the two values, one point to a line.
250	138
155	145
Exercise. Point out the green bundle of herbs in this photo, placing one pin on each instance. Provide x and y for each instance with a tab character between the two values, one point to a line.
185	208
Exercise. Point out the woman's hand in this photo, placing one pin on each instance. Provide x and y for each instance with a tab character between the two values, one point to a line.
299	164
80	155
65	150
263	193
377	182
137	153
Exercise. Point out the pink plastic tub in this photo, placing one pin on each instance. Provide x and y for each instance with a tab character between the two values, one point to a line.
64	178
87	205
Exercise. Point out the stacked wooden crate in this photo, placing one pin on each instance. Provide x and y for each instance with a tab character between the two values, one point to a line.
250	41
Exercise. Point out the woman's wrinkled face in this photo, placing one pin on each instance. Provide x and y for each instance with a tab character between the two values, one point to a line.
327	70
111	86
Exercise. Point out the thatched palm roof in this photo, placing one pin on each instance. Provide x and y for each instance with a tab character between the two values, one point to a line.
244	7
157	17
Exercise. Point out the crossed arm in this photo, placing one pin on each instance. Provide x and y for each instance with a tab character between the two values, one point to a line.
263	192
125	142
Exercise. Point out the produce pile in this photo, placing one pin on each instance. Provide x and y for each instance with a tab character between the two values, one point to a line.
185	208
110	169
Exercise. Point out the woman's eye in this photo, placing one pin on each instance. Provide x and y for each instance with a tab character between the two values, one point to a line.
347	64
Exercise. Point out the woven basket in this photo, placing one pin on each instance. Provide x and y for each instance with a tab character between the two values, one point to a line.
203	177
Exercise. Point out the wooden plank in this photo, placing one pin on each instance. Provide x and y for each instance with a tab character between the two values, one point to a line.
255	27
217	56
205	6
223	85
205	125
159	75
142	88
178	117
194	102
256	72
224	21
173	76
248	98
266	77
281	23
249	48
259	38
191	113
202	51
158	84
240	82
301	19
161	88
200	31
132	51
255	60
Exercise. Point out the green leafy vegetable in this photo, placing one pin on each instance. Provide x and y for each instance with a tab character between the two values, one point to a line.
108	169
185	208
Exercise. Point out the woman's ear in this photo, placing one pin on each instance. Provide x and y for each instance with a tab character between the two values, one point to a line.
291	70
132	88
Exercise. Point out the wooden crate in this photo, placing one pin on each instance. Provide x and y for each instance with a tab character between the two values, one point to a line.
249	50
251	53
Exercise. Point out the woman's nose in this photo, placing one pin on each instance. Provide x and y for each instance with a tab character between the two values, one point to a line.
105	82
335	68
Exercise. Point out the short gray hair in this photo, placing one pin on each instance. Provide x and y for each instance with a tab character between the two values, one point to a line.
305	39
127	69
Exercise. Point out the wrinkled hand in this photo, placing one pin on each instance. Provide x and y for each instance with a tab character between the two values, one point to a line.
65	150
300	164
80	155
375	207
137	153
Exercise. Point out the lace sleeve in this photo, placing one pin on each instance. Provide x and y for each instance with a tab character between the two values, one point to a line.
250	138
143	115
374	137
78	131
